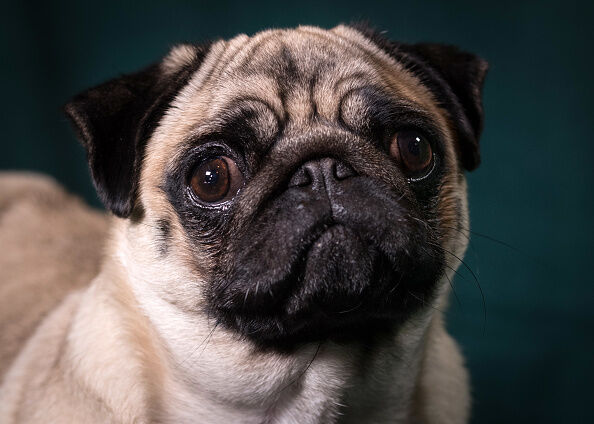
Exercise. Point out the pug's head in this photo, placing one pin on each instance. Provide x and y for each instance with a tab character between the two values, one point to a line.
296	185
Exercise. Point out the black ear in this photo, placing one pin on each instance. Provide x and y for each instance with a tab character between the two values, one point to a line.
115	120
455	78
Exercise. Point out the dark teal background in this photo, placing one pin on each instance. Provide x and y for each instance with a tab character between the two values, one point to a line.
532	360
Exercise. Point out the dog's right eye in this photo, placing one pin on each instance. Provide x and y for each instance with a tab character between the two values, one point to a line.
216	180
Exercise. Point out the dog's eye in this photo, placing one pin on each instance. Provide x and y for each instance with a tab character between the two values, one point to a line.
216	180
412	150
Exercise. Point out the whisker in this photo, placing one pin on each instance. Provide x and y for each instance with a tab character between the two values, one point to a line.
453	289
425	303
470	244
351	309
302	373
494	240
206	340
497	241
396	286
459	274
477	283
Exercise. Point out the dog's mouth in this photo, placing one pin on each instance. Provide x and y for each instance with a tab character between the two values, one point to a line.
340	286
314	273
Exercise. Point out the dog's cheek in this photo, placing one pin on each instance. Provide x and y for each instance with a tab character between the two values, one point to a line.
449	208
170	263
453	219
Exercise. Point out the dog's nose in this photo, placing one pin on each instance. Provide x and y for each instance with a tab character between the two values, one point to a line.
321	173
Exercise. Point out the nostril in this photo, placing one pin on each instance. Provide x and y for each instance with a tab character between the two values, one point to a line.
342	171
301	178
320	172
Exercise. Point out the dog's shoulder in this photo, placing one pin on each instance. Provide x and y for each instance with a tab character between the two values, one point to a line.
51	245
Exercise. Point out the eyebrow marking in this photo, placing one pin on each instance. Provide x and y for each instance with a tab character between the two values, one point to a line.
252	48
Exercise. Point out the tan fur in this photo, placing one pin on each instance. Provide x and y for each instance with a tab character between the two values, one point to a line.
51	246
134	345
180	55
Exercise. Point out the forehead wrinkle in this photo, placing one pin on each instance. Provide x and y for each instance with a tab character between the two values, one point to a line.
245	86
251	49
232	47
203	74
211	63
280	72
334	86
318	62
264	122
309	87
359	66
250	72
299	105
313	86
330	37
287	47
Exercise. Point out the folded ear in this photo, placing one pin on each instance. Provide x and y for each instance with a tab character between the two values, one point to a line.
115	120
456	80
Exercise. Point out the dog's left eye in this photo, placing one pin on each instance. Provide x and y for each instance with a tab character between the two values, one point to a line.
216	180
413	151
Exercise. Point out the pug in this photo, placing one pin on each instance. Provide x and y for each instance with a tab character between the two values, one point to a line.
287	212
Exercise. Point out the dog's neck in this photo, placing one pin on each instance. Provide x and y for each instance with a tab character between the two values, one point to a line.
184	368
228	380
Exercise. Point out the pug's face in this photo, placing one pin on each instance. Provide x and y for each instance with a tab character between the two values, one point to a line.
302	184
